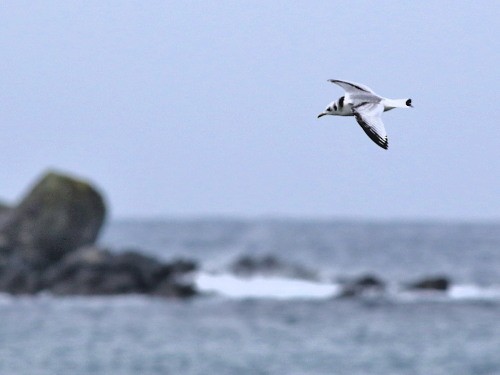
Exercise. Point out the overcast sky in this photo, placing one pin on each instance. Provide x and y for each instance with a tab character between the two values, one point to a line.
209	108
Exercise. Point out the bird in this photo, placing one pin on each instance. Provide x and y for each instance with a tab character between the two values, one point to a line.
367	107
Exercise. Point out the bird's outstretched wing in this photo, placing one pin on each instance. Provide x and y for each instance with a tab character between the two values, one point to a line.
368	116
351	87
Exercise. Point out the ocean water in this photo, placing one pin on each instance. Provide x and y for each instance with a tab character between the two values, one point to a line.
273	324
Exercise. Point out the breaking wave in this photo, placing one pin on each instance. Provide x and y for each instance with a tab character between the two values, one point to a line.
282	288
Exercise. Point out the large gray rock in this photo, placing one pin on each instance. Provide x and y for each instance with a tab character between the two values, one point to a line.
58	215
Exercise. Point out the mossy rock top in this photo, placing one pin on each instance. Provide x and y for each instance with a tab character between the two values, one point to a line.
58	215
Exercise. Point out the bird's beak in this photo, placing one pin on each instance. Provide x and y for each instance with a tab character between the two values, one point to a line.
322	114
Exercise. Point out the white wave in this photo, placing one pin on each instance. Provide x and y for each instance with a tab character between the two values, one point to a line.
473	292
264	287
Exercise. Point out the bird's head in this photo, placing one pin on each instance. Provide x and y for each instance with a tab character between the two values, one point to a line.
328	110
408	103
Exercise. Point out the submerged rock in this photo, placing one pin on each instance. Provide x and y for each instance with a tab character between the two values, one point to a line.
248	266
362	285
269	265
439	283
58	215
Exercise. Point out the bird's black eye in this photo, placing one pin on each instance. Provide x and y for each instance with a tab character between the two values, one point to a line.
408	102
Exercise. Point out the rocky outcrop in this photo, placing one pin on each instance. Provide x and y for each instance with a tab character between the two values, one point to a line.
96	271
47	244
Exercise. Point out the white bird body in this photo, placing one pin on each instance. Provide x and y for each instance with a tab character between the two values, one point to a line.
360	101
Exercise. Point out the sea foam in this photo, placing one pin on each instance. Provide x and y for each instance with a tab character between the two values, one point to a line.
264	287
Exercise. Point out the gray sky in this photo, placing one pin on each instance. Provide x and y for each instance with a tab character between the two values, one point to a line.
209	108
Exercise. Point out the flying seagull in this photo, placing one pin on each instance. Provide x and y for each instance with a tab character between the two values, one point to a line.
367	107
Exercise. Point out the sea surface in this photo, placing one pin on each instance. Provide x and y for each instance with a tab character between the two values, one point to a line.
277	324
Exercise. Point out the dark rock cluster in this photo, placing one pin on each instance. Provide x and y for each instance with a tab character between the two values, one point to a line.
47	243
367	285
374	286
